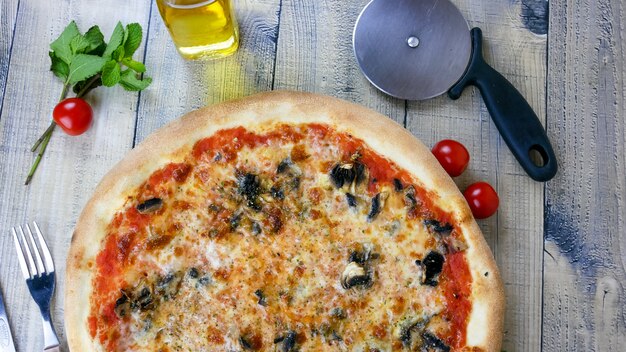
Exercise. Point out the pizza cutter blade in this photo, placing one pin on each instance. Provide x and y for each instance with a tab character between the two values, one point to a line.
419	49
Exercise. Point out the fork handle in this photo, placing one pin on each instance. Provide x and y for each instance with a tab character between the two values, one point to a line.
50	339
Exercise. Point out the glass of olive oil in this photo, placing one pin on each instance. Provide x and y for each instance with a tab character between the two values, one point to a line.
201	28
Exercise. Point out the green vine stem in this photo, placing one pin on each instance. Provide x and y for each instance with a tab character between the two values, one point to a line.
43	136
42	142
87	86
39	156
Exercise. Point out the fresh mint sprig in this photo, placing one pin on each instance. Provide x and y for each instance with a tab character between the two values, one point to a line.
85	61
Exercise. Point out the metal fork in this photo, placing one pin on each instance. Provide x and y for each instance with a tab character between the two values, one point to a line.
39	275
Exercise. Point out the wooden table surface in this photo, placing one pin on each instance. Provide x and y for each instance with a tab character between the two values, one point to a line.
560	245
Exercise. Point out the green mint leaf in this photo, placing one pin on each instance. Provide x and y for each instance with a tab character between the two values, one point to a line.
116	40
98	51
133	40
125	37
58	67
95	38
61	46
118	54
130	82
78	44
84	66
134	65
111	73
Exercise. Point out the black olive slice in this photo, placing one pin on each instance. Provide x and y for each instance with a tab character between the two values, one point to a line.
245	344
277	193
436	226
377	205
288	341
359	170
431	266
344	174
250	188
169	285
355	275
359	280
351	200
122	305
284	165
411	333
360	257
397	185
144	300
235	221
150	205
432	342
261	296
193	273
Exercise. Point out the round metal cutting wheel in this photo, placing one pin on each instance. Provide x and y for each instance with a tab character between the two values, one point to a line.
412	49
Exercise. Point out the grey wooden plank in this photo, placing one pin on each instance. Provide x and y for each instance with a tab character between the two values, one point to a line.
585	240
514	234
187	85
315	54
72	165
8	13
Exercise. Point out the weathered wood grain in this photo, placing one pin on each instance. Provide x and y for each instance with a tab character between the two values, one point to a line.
315	54
186	85
515	232
8	12
585	240
72	165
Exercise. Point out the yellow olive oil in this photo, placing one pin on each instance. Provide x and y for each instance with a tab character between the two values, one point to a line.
201	28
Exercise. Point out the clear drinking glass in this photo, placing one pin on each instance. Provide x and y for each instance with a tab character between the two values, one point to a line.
201	28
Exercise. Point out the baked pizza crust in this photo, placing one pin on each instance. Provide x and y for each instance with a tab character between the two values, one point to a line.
176	139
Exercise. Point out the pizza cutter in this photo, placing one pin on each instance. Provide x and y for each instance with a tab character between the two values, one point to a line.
419	49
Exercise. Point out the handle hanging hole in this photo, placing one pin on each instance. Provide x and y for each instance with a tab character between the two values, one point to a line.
538	155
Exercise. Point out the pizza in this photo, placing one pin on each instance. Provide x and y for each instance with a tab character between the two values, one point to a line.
281	222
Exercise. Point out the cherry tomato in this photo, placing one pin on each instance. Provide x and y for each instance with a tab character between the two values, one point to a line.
74	115
482	199
452	155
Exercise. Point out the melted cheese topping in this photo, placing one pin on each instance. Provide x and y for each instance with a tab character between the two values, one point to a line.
293	240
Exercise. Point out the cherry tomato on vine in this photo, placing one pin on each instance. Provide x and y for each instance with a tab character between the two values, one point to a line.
74	115
452	155
482	199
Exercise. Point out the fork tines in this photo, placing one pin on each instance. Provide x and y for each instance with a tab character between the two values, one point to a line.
38	269
30	251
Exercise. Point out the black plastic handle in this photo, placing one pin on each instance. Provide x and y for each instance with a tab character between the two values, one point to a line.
517	122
